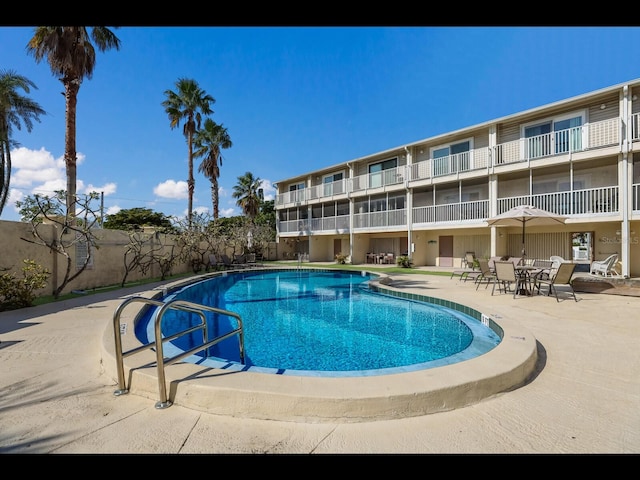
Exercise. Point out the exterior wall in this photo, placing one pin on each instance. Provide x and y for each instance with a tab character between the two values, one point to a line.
586	172
108	259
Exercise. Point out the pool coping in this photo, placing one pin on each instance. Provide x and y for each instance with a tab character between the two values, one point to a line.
317	399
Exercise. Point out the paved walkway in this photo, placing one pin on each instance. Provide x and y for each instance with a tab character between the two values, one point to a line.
584	398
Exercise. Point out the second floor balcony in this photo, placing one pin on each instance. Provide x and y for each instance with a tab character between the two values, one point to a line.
596	135
584	203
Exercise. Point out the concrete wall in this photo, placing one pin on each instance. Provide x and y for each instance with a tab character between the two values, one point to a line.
108	259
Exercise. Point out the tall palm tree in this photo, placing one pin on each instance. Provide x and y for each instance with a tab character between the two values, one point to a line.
207	142
246	191
189	102
15	109
72	57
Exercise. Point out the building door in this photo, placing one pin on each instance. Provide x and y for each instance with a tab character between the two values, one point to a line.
337	247
445	250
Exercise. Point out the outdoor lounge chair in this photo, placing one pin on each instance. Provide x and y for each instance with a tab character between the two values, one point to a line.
226	261
468	263
214	262
506	276
486	275
605	267
561	278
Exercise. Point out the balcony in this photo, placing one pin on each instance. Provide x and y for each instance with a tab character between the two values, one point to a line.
592	136
590	202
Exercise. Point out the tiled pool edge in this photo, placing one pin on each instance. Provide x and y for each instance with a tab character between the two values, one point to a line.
333	399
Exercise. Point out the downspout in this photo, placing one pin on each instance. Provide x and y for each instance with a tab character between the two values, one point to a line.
409	195
625	246
351	208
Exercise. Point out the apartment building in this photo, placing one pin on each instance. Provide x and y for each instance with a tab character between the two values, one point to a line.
431	199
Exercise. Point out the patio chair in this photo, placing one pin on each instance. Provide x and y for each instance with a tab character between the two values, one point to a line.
486	275
543	268
469	267
556	261
605	267
226	261
250	260
561	278
214	262
506	276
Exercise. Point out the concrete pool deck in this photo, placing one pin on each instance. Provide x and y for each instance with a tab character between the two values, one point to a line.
583	397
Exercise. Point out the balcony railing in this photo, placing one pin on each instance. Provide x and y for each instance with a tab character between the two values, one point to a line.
331	224
375	180
595	135
578	202
453	212
592	201
386	218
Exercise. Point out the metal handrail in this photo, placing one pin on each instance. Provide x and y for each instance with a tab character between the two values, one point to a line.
158	342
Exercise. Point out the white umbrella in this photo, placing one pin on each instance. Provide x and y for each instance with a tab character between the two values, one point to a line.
525	215
249	239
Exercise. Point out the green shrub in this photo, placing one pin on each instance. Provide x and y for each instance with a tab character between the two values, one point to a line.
20	292
404	261
341	258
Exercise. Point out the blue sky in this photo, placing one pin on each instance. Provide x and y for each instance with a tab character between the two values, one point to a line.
293	99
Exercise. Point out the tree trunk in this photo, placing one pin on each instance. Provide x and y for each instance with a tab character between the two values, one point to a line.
71	88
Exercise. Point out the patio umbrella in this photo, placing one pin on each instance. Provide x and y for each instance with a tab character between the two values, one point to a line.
249	239
525	215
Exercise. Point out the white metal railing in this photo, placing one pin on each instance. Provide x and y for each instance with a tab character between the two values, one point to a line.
588	201
375	180
635	200
461	162
329	224
453	212
385	218
577	202
594	135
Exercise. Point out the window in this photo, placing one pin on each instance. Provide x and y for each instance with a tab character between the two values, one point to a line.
451	158
332	188
297	192
554	136
376	171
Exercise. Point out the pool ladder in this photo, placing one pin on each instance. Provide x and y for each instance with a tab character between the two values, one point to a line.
161	361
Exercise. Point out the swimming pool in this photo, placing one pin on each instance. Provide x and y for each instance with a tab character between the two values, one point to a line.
321	323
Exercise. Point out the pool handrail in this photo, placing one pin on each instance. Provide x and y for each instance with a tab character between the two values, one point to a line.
158	342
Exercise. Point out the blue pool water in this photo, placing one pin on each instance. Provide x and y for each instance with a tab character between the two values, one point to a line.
313	322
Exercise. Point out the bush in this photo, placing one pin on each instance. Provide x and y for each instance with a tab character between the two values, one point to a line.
341	258
18	293
404	261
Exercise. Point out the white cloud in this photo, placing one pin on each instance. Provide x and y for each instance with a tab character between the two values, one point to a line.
50	186
227	212
112	210
172	189
200	210
107	188
35	166
268	190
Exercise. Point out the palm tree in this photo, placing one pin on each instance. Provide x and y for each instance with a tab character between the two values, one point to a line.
247	192
189	102
15	109
207	142
72	57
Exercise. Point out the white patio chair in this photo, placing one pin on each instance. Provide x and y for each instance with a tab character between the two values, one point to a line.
605	267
